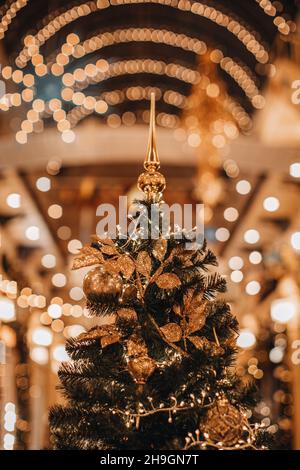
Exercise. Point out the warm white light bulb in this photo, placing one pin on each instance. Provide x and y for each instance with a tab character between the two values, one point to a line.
271	204
246	339
295	240
295	170
14	200
283	310
251	236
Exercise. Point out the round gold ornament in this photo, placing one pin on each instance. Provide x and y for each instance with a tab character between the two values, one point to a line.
99	282
151	182
224	423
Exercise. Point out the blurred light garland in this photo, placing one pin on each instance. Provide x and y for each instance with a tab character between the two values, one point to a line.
9	14
242	33
241	74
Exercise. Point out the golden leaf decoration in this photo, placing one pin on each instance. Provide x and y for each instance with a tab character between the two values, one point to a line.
187	298
172	332
198	342
136	346
102	240
109	250
112	266
196	322
208	346
126	265
96	333
87	257
109	339
185	256
160	248
168	281
143	264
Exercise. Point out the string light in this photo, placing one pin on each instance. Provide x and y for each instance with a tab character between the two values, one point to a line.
236	263
54	311
76	293
241	74
271	204
255	257
40	355
55	211
222	234
54	24
283	310
236	276
14	200
32	233
7	309
42	336
246	339
60	354
48	261
59	280
10	13
43	184
295	170
10	419
243	187
252	287
251	236
295	240
231	214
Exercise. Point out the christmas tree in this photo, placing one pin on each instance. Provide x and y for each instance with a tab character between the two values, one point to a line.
162	375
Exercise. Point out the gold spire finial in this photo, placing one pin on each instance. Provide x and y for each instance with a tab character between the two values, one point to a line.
152	155
151	182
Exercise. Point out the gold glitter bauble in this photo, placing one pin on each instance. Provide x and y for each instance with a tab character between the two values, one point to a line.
99	282
151	182
141	368
224	423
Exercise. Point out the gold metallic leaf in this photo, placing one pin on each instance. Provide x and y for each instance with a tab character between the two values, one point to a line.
109	249
127	314
187	298
136	346
198	342
143	264
160	248
126	265
184	255
96	333
87	257
196	321
209	347
112	266
102	240
172	332
168	281
109	339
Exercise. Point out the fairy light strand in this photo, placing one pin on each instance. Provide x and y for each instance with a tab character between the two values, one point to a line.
235	27
239	73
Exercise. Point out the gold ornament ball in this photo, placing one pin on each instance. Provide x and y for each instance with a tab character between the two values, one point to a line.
151	182
224	423
100	282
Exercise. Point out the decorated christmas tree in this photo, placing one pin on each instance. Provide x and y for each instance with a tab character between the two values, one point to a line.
161	376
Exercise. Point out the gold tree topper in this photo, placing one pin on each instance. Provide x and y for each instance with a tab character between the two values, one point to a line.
152	182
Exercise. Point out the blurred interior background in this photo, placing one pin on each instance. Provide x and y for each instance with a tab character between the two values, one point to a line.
75	86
